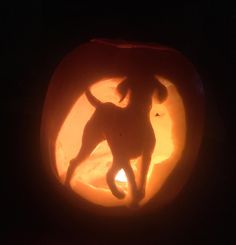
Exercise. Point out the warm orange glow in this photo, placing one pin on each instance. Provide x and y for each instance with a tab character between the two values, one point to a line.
89	180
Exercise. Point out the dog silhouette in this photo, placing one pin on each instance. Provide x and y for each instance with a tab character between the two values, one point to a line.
128	132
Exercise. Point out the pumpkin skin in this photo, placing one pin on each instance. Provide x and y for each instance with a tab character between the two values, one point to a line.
102	64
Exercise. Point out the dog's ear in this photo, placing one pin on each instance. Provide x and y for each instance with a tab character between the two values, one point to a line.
160	92
123	89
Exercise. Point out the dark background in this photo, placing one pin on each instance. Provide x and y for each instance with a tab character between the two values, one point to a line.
36	36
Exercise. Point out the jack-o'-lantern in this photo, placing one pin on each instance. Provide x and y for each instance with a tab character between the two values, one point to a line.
122	122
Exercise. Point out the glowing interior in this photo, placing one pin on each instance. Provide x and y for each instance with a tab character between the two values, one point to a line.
89	180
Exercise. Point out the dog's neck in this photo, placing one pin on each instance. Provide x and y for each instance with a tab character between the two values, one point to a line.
139	108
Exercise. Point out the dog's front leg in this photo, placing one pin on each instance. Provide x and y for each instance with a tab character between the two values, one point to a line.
133	186
145	164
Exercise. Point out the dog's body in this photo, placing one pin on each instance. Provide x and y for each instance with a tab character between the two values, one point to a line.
128	132
125	132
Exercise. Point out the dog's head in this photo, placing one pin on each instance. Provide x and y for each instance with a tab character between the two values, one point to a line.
142	89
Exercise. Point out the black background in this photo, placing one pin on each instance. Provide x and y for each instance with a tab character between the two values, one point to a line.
36	36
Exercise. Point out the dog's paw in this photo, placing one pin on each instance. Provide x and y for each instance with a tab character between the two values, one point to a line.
67	185
140	195
119	194
133	205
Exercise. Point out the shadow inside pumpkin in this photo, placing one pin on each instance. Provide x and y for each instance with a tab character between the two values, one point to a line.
127	140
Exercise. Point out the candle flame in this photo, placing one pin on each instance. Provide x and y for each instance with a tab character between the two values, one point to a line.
121	176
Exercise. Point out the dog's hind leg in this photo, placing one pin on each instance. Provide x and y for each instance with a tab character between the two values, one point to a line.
111	174
92	136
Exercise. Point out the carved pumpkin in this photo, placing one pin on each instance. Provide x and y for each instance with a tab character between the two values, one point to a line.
131	81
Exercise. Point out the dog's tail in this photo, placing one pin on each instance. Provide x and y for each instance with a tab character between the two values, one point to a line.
92	99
